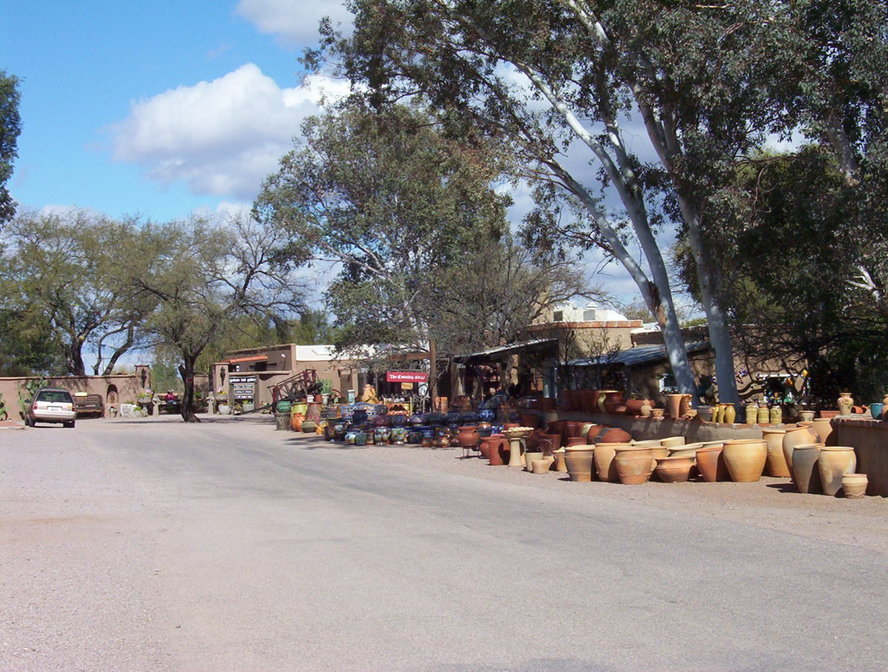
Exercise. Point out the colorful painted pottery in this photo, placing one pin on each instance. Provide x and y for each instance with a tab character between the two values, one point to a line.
674	469
635	464
398	436
381	435
805	471
711	463
604	461
578	460
854	485
745	459
776	414
845	402
797	436
876	410
296	420
309	426
834	463
776	465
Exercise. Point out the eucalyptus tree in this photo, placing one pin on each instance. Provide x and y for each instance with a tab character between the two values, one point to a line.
10	127
393	201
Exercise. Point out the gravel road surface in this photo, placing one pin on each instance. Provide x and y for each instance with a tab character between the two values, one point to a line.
155	545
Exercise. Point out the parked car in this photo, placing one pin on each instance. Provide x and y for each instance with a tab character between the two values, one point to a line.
51	405
89	404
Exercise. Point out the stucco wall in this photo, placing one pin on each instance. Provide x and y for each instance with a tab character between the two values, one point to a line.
870	441
125	387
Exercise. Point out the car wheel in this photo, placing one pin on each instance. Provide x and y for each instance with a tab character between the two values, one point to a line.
70	424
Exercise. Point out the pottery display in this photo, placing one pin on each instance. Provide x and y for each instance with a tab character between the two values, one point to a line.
610	435
605	468
542	466
711	463
805	470
468	437
674	469
717	413
579	460
854	485
560	465
797	436
398	436
613	400
776	414
678	405
634	464
844	403
776	463
834	463
730	414
763	415
745	459
822	427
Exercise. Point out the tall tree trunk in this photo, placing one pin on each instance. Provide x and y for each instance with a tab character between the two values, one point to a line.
433	372
186	371
74	357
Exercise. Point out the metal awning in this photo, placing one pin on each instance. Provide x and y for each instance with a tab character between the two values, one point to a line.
644	354
507	349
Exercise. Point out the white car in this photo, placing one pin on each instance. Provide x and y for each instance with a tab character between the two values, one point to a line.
51	405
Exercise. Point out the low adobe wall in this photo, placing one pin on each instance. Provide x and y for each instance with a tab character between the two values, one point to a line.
119	387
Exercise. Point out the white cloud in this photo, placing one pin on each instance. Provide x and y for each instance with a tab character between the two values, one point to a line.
221	137
294	22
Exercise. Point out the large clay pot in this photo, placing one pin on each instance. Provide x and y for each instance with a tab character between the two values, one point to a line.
282	421
529	419
806	416
822	427
604	461
560	465
309	426
613	401
752	410
296	420
805	471
610	435
796	436
845	402
776	464
674	469
634	464
711	464
592	431
834	463
499	448
730	414
635	406
854	485
674	405
578	460
745	459
576	441
573	429
764	415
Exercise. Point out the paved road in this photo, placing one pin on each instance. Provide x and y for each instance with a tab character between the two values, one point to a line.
153	545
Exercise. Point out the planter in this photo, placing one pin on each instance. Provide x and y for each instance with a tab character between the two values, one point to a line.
658	413
613	400
468	438
296	420
612	435
834	463
530	457
686	450
637	407
674	469
281	421
704	413
604	461
560	464
876	410
499	447
678	405
752	413
854	485
309	427
797	436
578	460
845	402
822	427
542	466
806	416
224	409
635	464
745	459
711	464
805	471
776	464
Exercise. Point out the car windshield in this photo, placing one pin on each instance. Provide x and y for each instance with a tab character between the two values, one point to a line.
54	397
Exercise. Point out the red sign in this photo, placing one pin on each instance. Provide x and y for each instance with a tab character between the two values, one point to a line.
406	377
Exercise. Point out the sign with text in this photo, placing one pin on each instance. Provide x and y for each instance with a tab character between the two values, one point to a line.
406	377
242	387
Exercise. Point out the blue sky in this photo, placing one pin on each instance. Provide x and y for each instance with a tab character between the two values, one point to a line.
156	108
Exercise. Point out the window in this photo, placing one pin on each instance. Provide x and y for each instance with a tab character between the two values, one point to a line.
558	316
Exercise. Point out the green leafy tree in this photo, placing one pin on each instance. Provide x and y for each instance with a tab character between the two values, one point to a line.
209	275
392	199
66	272
10	128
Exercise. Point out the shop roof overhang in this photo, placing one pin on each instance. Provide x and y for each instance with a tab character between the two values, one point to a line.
508	349
241	360
644	354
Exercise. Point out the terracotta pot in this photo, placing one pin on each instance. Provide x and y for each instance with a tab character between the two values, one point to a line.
854	485
674	469
592	432
578	460
805	471
529	419
822	427
796	436
604	461
745	459
296	420
704	413
613	435
613	400
549	443
674	404
711	464
635	464
530	457
499	450
844	403
834	463
573	429
542	466
686	450
559	427
672	441
559	460
635	406
776	464
484	447
468	437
